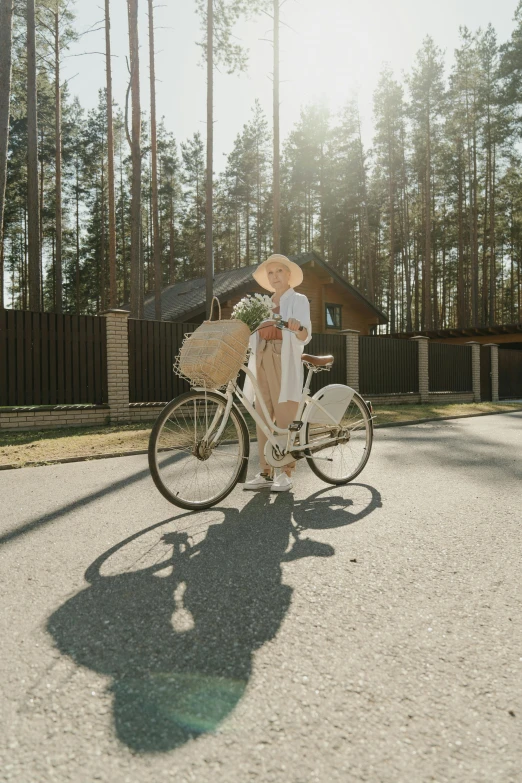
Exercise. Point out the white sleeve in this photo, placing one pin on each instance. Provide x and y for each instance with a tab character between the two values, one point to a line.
302	313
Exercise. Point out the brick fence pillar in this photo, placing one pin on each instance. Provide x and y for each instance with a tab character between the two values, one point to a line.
424	380
475	369
494	371
118	364
352	357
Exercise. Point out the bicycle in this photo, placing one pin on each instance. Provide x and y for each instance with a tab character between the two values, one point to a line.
199	446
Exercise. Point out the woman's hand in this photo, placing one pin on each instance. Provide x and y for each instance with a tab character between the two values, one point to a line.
294	325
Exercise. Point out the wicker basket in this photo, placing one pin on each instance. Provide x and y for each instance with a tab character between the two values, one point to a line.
214	353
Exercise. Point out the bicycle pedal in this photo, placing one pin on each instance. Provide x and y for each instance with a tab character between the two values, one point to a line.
295	426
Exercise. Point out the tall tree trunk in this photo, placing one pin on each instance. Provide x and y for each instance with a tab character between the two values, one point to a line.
41	226
77	270
461	303
58	304
209	260
427	309
113	296
485	241
103	281
123	233
171	239
391	173
156	240
136	292
407	265
276	184
474	233
32	164
369	284
492	240
6	38
258	204
247	233
443	316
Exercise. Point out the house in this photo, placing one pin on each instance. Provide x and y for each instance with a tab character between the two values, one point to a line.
335	304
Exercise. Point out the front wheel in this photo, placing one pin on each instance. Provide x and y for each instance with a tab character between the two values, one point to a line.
338	455
187	466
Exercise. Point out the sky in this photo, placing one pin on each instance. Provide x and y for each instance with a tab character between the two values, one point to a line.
330	50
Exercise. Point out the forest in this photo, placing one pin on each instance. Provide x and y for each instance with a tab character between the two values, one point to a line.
426	220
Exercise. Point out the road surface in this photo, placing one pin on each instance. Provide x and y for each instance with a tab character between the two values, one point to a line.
364	633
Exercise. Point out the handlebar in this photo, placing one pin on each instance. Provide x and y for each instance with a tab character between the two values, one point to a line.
278	323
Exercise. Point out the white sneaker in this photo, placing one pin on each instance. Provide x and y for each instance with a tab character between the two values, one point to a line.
260	481
282	483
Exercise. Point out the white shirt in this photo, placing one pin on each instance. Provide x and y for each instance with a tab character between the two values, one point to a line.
291	305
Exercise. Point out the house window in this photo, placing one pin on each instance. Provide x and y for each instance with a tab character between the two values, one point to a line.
332	316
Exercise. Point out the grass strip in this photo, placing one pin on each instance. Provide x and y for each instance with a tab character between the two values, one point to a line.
40	447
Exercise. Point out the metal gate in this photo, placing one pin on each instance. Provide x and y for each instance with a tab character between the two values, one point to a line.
509	374
485	373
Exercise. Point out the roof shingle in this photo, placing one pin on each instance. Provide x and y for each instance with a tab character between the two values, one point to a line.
185	300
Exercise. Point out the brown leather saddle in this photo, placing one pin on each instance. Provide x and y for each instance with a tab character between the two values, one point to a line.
317	361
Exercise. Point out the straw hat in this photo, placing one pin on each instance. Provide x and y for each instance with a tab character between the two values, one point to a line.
261	273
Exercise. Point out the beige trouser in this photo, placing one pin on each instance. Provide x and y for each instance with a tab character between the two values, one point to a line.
268	368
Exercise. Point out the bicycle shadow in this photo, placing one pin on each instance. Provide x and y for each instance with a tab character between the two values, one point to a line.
177	637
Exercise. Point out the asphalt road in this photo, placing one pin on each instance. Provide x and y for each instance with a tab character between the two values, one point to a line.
364	633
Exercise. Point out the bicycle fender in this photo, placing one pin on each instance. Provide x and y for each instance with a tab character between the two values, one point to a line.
334	398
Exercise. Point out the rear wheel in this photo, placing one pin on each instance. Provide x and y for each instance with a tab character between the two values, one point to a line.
187	470
340	461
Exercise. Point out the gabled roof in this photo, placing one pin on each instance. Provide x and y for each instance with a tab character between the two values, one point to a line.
186	300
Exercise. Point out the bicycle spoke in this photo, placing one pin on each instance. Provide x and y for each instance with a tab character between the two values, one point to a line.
340	460
192	472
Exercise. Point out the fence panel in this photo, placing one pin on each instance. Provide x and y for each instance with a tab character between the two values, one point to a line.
322	345
43	357
449	368
153	347
388	366
509	374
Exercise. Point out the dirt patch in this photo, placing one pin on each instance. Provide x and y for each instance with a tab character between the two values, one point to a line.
43	446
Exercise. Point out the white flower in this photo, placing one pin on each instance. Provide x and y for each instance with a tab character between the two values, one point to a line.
253	310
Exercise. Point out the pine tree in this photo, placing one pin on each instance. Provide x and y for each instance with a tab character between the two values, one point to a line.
6	32
136	271
388	113
427	102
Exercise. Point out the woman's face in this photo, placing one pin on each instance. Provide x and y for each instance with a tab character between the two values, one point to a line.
278	276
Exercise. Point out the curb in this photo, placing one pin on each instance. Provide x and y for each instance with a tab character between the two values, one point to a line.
91	457
443	418
65	460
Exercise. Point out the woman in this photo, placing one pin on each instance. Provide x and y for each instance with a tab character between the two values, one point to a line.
276	359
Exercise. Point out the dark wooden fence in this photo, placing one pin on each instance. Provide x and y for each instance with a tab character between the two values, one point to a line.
388	366
322	345
509	374
449	368
52	359
153	347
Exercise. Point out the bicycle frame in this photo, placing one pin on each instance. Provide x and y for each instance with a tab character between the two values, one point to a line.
269	428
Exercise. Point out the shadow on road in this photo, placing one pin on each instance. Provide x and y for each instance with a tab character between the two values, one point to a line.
177	636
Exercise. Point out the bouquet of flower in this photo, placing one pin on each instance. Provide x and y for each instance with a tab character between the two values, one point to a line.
253	310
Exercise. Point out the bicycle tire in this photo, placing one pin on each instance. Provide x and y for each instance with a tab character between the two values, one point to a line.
368	426
157	472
